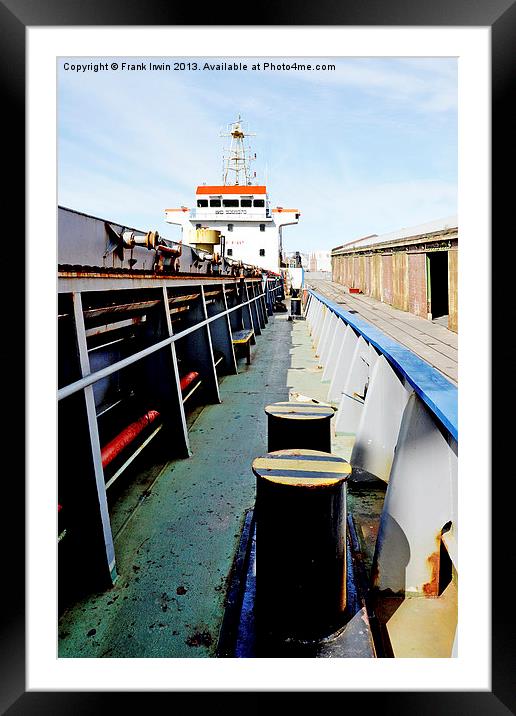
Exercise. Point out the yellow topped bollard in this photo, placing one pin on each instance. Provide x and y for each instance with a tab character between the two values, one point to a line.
300	544
293	424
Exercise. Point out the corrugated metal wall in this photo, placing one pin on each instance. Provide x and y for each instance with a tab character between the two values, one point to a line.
453	312
397	278
417	284
376	277
387	278
400	298
356	272
367	290
348	271
361	273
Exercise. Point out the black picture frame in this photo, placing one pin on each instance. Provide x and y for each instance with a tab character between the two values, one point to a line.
500	16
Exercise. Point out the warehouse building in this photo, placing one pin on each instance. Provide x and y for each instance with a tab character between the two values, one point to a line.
413	269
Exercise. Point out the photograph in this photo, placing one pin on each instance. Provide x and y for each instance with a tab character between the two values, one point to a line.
257	357
246	324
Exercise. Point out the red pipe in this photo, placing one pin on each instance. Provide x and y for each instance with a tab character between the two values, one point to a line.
128	434
188	379
169	249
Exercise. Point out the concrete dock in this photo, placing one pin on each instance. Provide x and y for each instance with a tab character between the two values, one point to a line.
430	340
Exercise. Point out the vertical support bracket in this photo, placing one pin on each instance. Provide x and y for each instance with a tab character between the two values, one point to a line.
109	555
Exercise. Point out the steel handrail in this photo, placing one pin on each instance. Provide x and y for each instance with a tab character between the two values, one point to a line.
92	378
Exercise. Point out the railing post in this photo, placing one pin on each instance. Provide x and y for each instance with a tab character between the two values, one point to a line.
334	351
323	331
317	324
352	400
343	360
98	528
419	506
328	342
379	425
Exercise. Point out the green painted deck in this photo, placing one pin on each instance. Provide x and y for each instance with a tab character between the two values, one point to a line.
175	550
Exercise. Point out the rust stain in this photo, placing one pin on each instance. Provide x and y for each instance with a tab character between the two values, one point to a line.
431	588
200	639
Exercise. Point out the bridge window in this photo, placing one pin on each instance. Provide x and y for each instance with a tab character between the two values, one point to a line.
246	202
230	202
230	227
262	227
259	202
202	202
215	202
230	252
262	252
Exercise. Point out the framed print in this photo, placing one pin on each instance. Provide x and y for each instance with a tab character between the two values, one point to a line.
89	75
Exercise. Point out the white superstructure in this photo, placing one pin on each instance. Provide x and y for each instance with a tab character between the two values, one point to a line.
250	228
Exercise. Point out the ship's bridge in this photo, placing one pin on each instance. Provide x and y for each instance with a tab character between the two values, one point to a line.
240	202
243	216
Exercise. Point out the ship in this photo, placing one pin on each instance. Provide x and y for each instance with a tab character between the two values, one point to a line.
235	218
212	408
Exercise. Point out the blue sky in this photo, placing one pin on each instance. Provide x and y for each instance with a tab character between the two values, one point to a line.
368	148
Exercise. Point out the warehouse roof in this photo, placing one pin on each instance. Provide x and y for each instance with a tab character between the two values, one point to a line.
430	227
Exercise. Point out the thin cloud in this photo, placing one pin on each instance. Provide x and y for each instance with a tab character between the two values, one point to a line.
366	150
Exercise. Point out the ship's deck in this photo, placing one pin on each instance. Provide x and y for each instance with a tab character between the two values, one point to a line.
175	550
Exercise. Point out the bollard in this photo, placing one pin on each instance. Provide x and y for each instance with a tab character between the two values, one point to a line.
292	424
295	306
300	544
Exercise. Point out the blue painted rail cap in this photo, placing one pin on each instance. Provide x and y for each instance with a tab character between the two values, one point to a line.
431	386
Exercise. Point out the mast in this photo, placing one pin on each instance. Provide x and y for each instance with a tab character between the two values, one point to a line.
237	159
